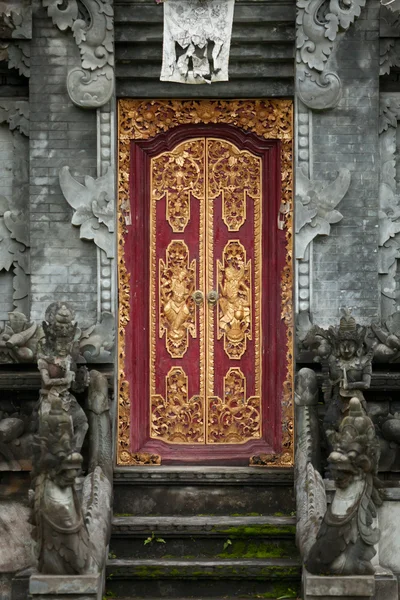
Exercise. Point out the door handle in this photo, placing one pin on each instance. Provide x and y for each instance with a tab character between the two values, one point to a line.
212	297
198	297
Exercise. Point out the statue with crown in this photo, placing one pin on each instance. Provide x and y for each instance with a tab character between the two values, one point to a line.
346	365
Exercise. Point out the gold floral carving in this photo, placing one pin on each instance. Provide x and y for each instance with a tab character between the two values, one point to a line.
235	419
268	118
181	173
176	418
235	305
177	282
236	174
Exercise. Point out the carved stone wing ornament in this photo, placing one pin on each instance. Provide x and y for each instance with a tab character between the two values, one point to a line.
318	25
315	207
93	205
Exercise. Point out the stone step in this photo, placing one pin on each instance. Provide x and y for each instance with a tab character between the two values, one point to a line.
203	537
203	490
268	578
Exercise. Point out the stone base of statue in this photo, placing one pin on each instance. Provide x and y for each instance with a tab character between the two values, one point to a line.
359	587
65	587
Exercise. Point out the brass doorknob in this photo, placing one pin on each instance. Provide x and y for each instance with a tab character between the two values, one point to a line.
198	297
212	297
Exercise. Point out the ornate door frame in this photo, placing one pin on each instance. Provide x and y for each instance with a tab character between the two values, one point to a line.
141	121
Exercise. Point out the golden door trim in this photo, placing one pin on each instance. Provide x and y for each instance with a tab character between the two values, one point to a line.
143	119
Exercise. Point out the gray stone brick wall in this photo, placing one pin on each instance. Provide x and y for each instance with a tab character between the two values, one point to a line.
345	271
63	266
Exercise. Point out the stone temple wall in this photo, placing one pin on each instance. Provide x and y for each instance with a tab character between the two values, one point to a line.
63	267
338	153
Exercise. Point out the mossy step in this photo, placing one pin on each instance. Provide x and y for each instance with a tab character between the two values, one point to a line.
256	569
219	526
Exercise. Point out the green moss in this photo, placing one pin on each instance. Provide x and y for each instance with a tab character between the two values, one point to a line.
124	515
257	530
244	549
280	591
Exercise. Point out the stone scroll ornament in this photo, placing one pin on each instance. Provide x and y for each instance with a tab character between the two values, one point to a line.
197	38
92	84
318	24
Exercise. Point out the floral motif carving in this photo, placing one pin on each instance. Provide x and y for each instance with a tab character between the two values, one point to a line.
235	305
92	84
318	25
93	204
16	19
143	119
181	173
16	114
235	418
235	173
315	207
177	282
17	54
176	418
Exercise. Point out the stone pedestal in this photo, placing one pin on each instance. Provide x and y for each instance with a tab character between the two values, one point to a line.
66	587
357	587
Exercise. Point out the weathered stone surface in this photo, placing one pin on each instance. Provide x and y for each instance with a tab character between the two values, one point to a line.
325	587
55	585
15	547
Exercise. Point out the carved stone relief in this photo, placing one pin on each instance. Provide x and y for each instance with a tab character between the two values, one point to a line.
315	207
93	205
319	22
92	84
389	203
17	54
14	232
16	19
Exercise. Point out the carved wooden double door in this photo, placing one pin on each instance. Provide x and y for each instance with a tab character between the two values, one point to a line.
207	359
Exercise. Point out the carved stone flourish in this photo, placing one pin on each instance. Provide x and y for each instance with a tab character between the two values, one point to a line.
18	340
92	84
389	50
16	114
389	203
346	538
93	205
17	54
16	19
97	343
346	364
318	25
315	207
393	5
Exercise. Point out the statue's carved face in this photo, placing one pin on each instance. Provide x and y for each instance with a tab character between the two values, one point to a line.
347	349
343	477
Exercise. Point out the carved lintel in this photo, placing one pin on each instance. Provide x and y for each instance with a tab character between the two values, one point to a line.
93	205
317	32
92	84
315	207
126	458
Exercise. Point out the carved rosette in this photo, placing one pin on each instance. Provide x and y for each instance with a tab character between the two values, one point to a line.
177	282
235	418
176	418
235	302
